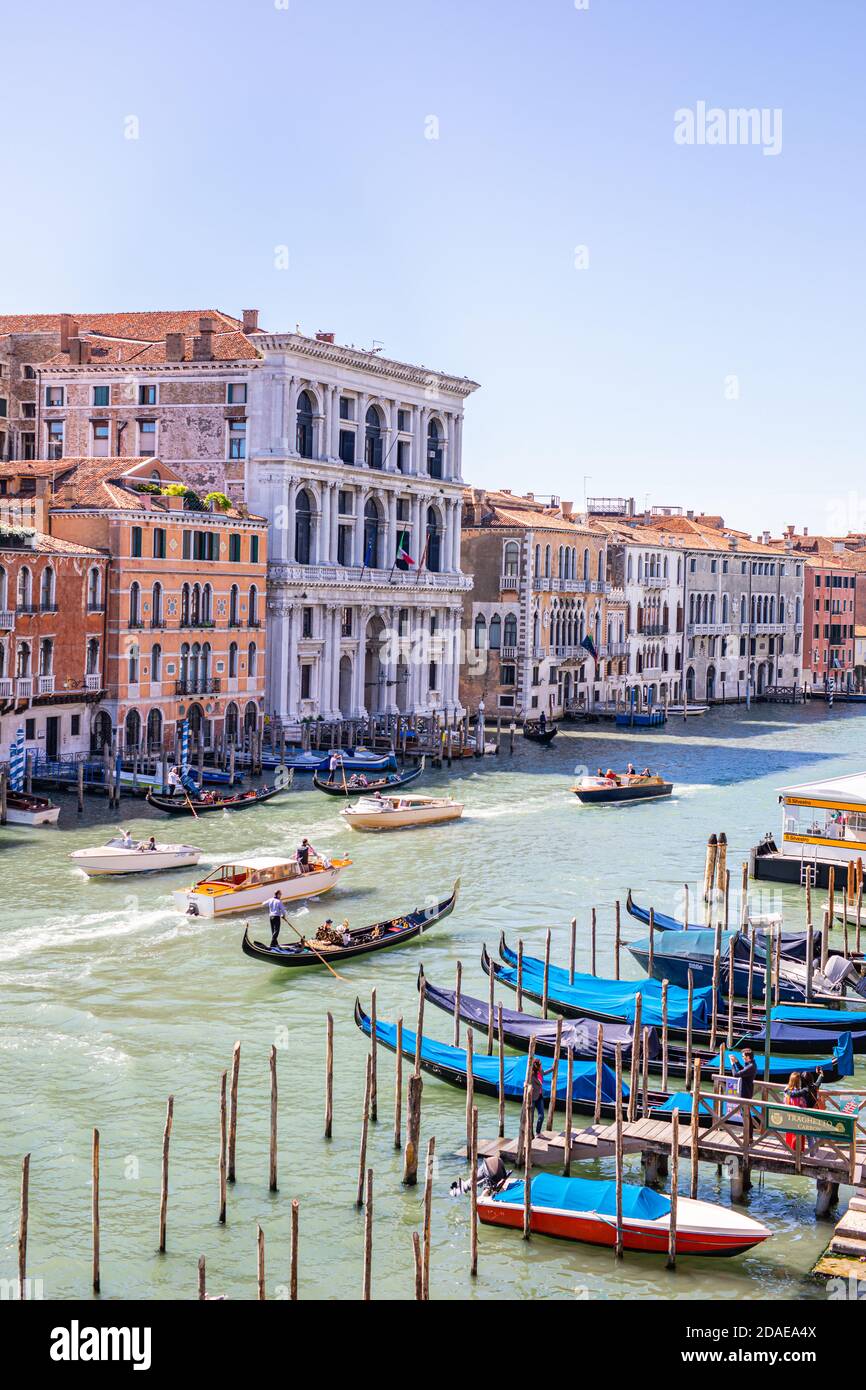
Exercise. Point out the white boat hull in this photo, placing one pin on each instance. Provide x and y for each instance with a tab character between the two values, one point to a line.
401	819
309	885
100	863
47	815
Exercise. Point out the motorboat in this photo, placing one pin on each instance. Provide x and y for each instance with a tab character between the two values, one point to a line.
400	812
621	786
120	856
585	1210
240	884
24	809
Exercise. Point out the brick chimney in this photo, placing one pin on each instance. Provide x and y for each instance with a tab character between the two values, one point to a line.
174	347
324	337
79	351
251	320
68	329
202	346
567	508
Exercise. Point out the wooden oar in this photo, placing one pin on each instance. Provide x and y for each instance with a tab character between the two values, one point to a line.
189	803
309	947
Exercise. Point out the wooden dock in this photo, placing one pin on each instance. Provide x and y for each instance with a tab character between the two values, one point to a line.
548	1149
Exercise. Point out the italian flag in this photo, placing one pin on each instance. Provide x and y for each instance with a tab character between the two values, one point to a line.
403	556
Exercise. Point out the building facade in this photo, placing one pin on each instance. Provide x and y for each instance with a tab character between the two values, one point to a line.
183	599
540	589
52	641
356	462
830	639
646	622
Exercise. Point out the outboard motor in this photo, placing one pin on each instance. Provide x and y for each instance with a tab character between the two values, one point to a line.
491	1173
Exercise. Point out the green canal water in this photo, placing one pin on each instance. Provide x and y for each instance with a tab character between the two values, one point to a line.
110	1000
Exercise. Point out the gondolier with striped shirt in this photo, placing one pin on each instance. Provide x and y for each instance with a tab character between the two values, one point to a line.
277	914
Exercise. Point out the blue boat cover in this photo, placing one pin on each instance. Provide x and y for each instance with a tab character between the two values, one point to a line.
589	1194
830	1018
589	994
701	944
820	1039
781	1067
682	1101
486	1068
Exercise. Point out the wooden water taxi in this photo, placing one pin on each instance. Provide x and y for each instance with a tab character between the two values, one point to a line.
23	809
240	884
823	828
118	857
621	786
401	812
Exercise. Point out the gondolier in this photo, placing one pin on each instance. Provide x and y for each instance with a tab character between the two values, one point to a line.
276	915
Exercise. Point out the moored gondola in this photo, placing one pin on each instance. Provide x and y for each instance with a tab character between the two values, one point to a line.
536	734
183	806
379	936
338	785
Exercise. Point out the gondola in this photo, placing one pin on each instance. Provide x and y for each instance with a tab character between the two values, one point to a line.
182	805
580	1036
394	932
341	786
536	734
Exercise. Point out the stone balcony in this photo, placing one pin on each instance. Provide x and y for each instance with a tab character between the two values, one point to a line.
342	576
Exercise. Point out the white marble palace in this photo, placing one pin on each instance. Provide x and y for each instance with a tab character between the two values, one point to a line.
356	462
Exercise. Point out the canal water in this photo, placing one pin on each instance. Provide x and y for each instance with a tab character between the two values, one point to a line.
112	1000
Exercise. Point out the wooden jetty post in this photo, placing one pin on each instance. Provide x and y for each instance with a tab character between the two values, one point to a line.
710	869
744	896
293	1252
750	989
490	984
859	913
652	942
617	939
721	864
413	1130
457	985
398	1086
546	985
592	932
685	904
599	1070
501	1083
94	1209
519	976
366	1292
831	890
618	1248
473	1197
272	1165
527	1155
374	1037
260	1264
644	1087
727	897
810	958
825	932
80	786
777	986
689	1006
696	1111
675	1182
365	1121
233	1118
635	1056
571	950
419	1267
554	1073
730	1034
714	1021
223	1150
665	986
569	1085
419	1027
470	1081
428	1210
163	1194
329	1075
202	1279
23	1219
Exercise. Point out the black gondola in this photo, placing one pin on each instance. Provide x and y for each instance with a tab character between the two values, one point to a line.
181	805
393	932
341	786
536	734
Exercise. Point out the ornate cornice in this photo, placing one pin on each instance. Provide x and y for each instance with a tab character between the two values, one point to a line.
369	363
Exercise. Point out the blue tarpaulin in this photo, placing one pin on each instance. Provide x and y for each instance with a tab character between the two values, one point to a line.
589	1194
682	1101
782	1066
822	1018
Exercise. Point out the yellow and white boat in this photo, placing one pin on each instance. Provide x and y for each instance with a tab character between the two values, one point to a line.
823	828
241	884
400	812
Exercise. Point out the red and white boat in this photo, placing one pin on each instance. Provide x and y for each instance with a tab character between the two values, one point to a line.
584	1209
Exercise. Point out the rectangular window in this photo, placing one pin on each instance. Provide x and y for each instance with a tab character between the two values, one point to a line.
28	410
403	455
306	681
344	545
187	545
28	446
54	395
237	439
346	623
100	439
159	543
147	395
135	542
55	439
345	504
307	622
147	438
347	446
28	372
75	725
101	395
254	550
404	421
507	675
236	393
29	729
347	408
235	548
2	407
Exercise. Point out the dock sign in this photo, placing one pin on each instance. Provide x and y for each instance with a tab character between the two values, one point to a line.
822	1124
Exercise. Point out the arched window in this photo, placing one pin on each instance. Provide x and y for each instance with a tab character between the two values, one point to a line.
480	632
135	604
184	662
434	541
628	573
371	534
373	445
303	528
233	659
196	605
25	587
92	660
495	634
742	608
511	558
22	667
305	425
252	659
156	663
509	632
156	605
132	729
253	606
586	564
434	449
797	611
601	567
781	608
234	606
154	731
537	569
251	717
184	606
2	588
133	663
207	604
46	590
46	656
547	562
231	722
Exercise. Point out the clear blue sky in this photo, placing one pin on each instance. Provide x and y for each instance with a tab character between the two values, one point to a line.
305	127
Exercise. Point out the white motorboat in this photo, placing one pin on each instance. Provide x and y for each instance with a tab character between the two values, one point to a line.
117	856
240	884
24	809
398	812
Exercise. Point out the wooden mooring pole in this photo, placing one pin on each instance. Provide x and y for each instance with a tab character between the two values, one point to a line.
429	1166
618	1248
413	1131
272	1164
163	1193
94	1209
222	1152
366	1291
233	1123
23	1219
365	1121
398	1086
329	1075
675	1178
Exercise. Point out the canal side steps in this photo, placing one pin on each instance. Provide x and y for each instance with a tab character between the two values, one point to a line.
845	1256
548	1149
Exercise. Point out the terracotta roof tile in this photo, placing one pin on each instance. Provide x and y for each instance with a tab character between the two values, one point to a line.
140	336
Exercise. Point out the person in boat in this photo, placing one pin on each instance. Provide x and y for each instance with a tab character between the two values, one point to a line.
537	1094
305	850
276	915
345	934
145	846
610	775
630	770
335	762
542	722
646	772
126	840
174	781
328	933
